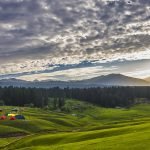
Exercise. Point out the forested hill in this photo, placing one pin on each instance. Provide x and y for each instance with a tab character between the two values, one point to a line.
106	97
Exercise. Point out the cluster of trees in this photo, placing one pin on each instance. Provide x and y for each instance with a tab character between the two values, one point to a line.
56	103
106	97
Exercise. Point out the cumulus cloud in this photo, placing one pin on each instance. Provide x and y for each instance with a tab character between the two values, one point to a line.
40	35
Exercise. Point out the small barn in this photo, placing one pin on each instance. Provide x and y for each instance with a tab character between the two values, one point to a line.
15	110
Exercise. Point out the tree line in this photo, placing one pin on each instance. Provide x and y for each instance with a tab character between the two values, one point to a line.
105	97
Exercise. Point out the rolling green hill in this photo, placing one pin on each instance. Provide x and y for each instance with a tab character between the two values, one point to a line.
83	126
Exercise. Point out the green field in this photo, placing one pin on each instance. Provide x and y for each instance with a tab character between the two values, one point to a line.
85	126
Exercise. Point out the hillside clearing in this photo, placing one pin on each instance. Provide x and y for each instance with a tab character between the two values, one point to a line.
92	128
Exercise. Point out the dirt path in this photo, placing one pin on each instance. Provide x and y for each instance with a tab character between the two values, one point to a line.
17	134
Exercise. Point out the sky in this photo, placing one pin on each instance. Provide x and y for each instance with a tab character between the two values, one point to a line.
74	39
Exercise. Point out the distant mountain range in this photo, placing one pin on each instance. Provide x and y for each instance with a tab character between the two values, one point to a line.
147	79
101	81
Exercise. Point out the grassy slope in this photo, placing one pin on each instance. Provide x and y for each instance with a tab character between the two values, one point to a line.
108	139
102	128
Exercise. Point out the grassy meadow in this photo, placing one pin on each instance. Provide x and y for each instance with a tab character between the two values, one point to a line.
84	126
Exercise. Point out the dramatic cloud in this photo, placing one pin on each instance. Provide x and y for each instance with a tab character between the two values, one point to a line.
55	36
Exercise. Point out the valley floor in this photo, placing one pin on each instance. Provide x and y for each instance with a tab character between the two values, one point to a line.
92	128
